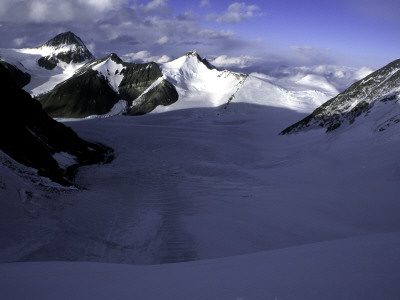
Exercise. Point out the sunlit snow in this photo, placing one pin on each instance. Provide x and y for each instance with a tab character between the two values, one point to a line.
111	71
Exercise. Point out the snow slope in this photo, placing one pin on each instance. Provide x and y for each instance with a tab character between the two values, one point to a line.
312	218
42	80
209	202
199	85
340	269
111	70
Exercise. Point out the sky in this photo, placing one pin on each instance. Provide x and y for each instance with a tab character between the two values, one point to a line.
246	35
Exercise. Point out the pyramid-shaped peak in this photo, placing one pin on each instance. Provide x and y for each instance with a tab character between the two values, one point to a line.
192	53
65	38
195	54
114	57
66	47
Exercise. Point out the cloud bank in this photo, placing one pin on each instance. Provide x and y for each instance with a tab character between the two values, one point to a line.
237	12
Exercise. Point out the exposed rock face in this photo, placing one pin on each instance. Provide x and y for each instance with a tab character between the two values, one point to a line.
137	78
163	94
79	97
65	47
19	77
32	138
47	62
382	86
101	83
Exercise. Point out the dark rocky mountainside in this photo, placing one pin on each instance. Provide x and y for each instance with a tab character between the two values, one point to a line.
32	138
19	77
79	97
381	88
65	47
101	83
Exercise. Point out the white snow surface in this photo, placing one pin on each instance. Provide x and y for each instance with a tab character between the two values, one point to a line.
319	82
260	216
48	51
111	71
199	86
339	269
42	80
203	202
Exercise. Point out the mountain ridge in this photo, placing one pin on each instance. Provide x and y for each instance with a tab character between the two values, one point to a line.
381	86
100	84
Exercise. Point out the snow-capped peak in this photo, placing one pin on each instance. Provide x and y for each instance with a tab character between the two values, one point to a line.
65	47
111	68
198	83
64	39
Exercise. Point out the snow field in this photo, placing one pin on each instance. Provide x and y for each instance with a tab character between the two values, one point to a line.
211	203
339	269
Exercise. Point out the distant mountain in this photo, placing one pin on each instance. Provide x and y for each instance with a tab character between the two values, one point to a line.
377	94
101	84
200	84
65	47
49	64
31	137
327	78
79	86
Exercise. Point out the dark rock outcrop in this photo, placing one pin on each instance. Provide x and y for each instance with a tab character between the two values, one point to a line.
163	94
19	77
32	138
91	92
79	97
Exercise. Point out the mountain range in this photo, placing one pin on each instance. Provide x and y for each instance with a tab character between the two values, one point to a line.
71	83
202	178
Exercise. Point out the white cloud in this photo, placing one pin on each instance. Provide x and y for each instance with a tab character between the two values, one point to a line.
204	3
18	42
55	11
157	7
211	34
91	47
38	11
145	56
339	76
100	5
237	12
163	40
234	62
308	49
211	17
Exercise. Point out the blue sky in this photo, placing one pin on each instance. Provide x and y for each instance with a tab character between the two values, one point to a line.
245	34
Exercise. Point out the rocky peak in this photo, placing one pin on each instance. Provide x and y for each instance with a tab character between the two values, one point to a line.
63	39
200	59
65	47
